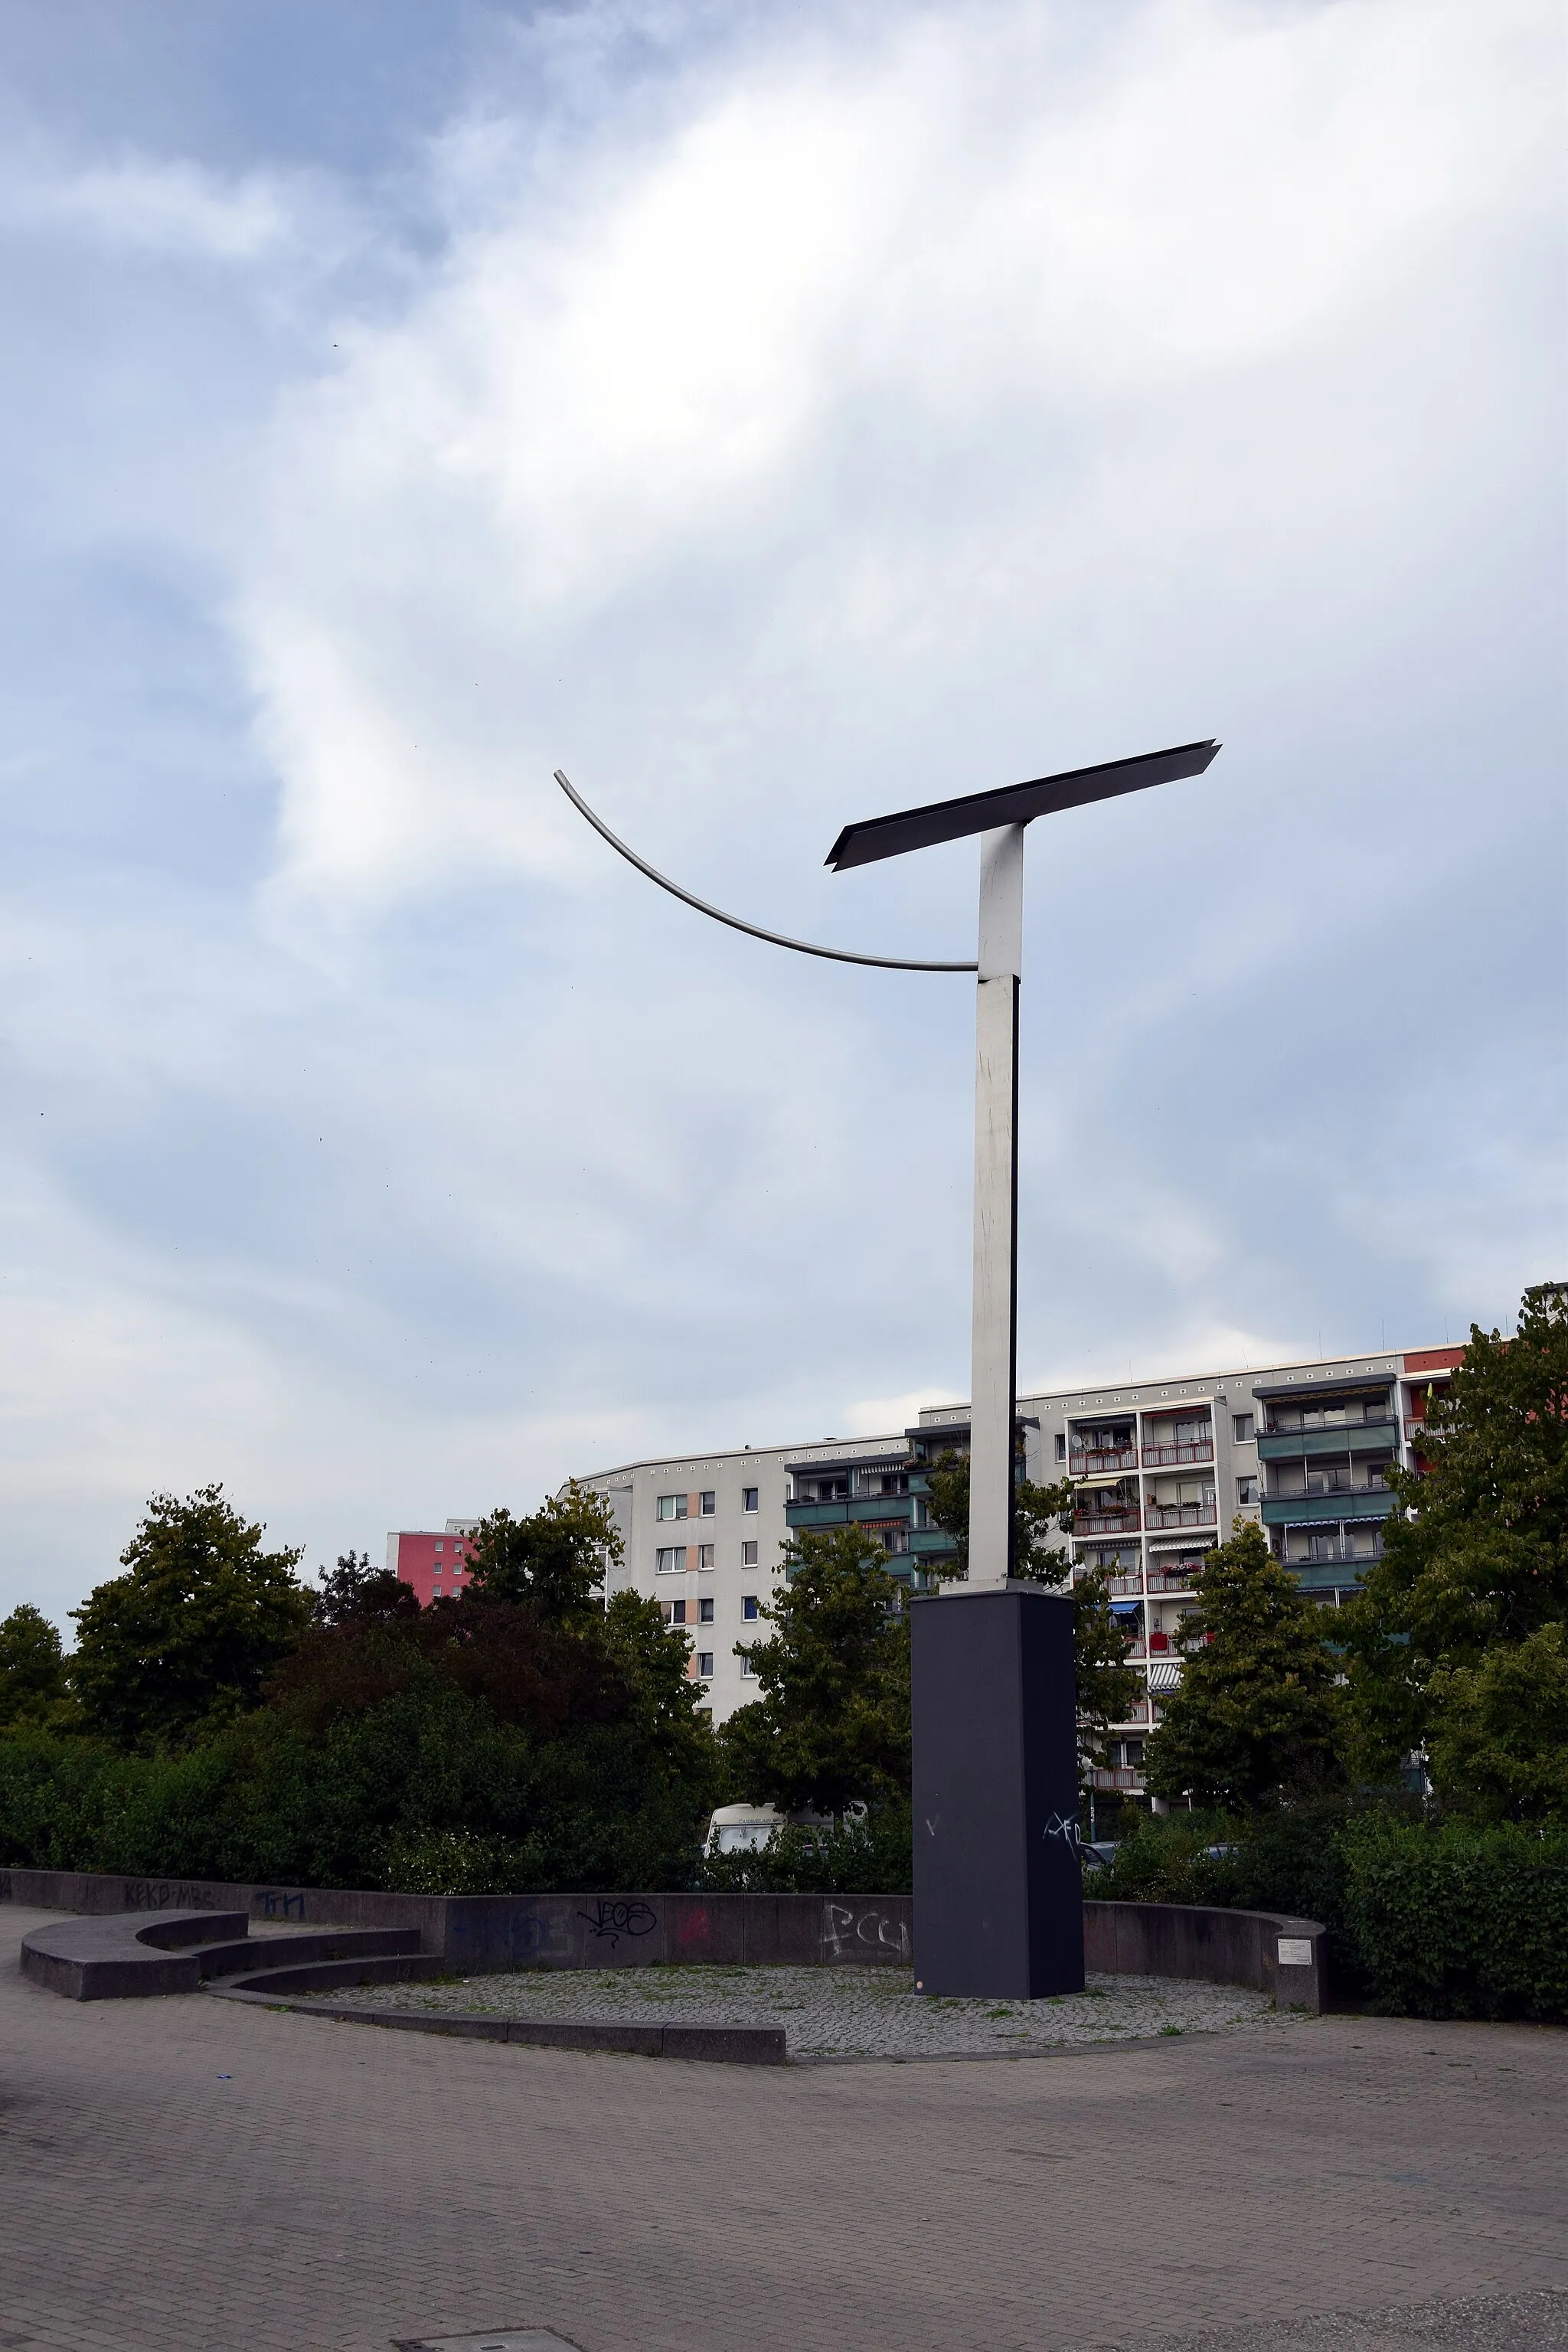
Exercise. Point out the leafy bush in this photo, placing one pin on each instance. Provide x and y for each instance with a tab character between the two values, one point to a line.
1425	1918
871	1855
472	1743
1456	1920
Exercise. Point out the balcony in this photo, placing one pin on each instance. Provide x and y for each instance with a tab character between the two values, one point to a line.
1173	1579
1098	1465
1179	1515
1303	1510
1340	1437
1121	1521
873	1510
1170	1458
817	1515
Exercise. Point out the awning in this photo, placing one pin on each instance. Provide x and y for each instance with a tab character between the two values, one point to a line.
1164	1674
1111	1478
1127	1608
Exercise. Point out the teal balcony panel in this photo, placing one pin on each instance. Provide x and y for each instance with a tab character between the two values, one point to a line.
1302	1444
1305	1510
817	1515
1326	1576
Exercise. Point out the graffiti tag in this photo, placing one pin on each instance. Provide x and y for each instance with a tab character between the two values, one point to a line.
617	1919
840	1927
277	1904
165	1894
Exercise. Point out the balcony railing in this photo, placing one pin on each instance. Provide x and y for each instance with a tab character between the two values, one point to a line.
1167	1457
1106	1523
1173	1579
1328	1482
1094	1464
1124	1588
1179	1515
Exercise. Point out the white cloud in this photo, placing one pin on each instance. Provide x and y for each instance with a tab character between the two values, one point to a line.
153	206
860	369
857	408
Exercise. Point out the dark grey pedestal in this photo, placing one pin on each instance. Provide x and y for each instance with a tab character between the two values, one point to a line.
998	1897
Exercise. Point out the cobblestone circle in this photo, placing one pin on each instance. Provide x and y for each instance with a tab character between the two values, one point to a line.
853	2013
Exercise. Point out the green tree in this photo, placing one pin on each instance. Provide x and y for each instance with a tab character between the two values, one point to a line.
32	1669
1108	1689
1497	1738
553	1558
1476	1555
1258	1712
186	1638
832	1725
356	1592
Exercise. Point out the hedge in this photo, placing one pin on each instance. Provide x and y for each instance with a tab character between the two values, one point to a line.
1425	1918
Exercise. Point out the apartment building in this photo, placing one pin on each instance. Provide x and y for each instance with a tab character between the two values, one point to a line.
1160	1469
433	1564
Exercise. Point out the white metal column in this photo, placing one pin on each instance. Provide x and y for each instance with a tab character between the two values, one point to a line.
995	1329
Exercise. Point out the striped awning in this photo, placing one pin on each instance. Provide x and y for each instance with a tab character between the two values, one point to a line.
1164	1674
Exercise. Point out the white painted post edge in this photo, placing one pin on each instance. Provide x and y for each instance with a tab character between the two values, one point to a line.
996	1327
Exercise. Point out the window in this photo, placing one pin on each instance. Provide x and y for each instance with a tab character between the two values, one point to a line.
749	1607
704	1663
748	1498
748	1671
672	1507
1061	1445
748	1555
708	1503
1241	1428
672	1559
438	1546
1246	1490
705	1612
704	1555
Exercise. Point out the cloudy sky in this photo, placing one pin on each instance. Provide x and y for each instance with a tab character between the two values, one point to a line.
773	416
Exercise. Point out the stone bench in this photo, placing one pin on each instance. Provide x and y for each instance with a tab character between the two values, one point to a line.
128	1956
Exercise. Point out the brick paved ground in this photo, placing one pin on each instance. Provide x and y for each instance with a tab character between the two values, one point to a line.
344	2186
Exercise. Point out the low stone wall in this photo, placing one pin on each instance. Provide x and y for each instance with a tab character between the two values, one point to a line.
472	1933
1268	1951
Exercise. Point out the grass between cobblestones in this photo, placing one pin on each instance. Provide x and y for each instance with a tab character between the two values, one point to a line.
849	2013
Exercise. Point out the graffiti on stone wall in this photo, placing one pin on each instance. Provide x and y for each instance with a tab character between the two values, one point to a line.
535	1936
165	1894
280	1903
844	1928
611	1920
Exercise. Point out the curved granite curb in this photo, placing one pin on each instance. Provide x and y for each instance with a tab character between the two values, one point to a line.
729	2045
122	1958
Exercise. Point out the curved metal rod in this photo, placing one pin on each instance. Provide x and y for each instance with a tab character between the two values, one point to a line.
775	939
